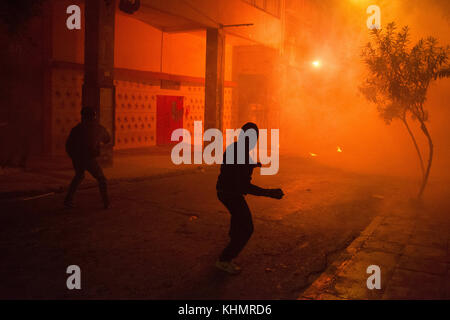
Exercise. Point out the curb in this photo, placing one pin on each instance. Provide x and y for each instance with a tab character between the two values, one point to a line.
318	290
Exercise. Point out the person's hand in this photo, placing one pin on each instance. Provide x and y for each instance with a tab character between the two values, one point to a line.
257	165
275	193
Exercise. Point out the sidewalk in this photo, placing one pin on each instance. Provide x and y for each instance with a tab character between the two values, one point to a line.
411	247
53	174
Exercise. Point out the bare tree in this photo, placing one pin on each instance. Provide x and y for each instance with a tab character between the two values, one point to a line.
398	80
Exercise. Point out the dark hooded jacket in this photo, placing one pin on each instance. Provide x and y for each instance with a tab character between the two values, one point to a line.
84	140
235	179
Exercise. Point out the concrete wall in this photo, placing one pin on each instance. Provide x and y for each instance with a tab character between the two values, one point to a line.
266	30
138	46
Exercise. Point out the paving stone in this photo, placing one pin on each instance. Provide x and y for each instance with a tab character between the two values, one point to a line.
406	284
372	226
392	234
438	227
428	239
353	289
351	282
412	249
398	222
357	268
423	265
426	252
394	292
385	246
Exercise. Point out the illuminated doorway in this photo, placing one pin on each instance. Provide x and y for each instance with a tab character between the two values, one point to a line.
169	116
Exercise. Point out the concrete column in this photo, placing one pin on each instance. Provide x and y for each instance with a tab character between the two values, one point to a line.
214	78
98	86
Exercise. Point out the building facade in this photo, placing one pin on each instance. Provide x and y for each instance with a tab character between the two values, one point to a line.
162	67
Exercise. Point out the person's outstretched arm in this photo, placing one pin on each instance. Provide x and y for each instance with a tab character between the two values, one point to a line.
258	191
271	193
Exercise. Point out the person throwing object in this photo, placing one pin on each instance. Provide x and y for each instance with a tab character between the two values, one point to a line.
233	183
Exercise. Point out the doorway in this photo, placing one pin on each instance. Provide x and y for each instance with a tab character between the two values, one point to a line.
169	116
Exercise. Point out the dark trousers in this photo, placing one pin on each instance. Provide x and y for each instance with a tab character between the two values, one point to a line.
241	226
91	166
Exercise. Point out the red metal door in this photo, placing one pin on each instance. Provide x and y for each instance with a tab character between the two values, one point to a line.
169	116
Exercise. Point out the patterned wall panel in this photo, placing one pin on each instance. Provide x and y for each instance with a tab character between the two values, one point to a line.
228	118
135	122
135	114
194	108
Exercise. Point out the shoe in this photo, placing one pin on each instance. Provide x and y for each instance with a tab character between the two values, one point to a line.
228	267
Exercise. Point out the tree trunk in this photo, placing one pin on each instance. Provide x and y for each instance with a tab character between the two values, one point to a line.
405	122
430	158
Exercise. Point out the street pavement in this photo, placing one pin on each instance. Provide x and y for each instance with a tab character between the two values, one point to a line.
165	229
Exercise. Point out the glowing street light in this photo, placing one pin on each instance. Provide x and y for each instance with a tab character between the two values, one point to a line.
316	63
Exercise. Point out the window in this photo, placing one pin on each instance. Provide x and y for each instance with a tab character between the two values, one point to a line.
272	7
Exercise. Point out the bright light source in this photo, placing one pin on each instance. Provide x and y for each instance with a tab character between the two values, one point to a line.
316	64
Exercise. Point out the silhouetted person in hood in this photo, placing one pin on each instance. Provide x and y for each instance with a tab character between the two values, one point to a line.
83	147
233	184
